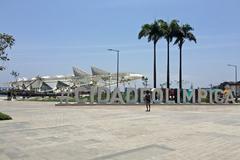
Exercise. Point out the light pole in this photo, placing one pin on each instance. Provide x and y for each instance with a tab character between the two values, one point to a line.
117	51
236	79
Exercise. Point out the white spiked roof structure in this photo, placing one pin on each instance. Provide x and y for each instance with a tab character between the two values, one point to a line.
97	71
61	85
79	73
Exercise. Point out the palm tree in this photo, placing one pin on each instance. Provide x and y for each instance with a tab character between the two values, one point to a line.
153	32
184	33
169	31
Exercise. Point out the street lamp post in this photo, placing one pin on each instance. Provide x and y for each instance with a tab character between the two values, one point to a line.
117	51
236	79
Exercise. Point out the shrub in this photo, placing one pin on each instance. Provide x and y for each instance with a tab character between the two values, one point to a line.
4	117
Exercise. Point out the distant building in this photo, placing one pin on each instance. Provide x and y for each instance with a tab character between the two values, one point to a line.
232	86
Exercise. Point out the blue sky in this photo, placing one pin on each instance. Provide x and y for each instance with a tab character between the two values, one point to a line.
52	36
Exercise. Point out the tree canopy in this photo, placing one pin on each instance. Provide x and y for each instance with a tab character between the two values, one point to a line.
184	33
6	41
153	32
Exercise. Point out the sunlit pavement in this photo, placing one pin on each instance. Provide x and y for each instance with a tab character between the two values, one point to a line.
43	131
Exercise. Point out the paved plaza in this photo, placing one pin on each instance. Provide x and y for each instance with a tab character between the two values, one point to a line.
42	131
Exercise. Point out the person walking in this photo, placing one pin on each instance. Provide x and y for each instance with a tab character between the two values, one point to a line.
147	99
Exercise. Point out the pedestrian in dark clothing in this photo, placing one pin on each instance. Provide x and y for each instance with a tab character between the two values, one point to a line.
147	100
9	95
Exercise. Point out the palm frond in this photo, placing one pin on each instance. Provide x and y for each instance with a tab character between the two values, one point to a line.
191	37
187	28
176	41
145	30
152	32
184	32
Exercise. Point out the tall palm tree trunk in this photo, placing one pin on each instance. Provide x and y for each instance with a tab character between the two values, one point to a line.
168	68
180	68
154	67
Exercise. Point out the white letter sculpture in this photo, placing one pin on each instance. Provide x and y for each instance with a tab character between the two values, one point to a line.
117	96
189	95
157	95
130	100
102	90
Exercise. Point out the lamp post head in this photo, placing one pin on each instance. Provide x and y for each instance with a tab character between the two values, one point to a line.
231	65
114	50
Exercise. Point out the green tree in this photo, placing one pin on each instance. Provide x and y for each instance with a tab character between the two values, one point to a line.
6	41
183	33
153	33
169	31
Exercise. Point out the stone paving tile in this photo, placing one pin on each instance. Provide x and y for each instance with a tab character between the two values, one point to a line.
143	153
41	131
